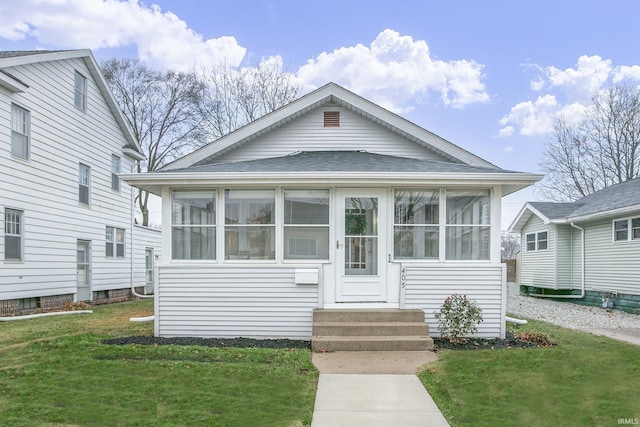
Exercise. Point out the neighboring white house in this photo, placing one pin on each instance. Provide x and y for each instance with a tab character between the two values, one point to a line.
66	216
588	249
328	202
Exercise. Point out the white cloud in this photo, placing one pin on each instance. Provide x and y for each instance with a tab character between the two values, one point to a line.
569	94
581	82
162	39
625	72
394	70
508	149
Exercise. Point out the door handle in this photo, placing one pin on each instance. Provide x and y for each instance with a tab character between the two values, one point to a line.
337	244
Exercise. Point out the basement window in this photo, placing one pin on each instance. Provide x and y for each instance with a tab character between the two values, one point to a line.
332	119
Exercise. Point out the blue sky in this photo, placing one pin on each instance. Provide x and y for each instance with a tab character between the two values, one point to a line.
489	76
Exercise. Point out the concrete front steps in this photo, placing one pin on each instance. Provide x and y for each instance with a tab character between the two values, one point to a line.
370	330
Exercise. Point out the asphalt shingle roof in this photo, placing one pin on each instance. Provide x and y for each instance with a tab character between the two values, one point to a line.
616	196
15	53
338	161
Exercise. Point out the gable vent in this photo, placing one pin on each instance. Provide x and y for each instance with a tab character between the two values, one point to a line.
332	119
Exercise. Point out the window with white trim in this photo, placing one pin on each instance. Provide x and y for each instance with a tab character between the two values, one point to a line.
306	224
193	225
115	241
84	180
416	225
80	91
13	231
115	170
468	225
20	126
249	224
626	229
537	241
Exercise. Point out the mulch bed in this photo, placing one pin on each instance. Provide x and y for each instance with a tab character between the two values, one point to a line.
210	342
510	341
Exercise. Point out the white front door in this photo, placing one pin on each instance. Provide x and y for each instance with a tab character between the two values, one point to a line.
361	245
83	268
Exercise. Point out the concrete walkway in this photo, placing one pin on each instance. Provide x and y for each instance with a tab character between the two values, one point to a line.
373	389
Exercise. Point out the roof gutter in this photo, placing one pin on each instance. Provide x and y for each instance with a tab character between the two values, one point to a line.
582	269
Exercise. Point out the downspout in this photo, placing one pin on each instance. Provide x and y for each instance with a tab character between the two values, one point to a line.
133	223
582	269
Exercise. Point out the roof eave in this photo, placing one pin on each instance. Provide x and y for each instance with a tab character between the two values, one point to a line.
605	214
153	182
12	84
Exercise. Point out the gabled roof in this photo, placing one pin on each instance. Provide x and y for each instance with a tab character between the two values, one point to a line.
329	94
337	161
616	199
352	168
21	57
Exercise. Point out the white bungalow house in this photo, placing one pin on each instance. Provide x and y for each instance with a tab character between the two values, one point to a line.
587	250
330	203
66	217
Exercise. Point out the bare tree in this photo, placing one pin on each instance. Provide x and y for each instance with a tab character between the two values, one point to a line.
510	245
162	110
602	150
234	98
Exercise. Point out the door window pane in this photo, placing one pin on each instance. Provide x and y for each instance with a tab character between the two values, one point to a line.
361	235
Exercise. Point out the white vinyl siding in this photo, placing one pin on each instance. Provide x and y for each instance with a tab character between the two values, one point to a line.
307	134
538	268
59	139
20	126
247	301
610	265
427	286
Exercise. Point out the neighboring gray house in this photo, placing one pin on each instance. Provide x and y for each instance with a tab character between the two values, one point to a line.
589	249
329	203
66	218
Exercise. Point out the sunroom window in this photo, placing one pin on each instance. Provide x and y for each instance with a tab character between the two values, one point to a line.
306	224
468	229
193	225
416	224
250	224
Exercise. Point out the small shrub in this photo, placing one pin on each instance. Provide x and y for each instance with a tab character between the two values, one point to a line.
534	337
458	318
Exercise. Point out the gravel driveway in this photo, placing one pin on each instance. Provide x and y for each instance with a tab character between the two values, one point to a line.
612	323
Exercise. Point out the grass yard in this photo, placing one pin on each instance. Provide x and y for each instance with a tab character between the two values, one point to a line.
585	380
54	372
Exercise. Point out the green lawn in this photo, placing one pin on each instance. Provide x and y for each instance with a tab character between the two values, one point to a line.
585	380
54	372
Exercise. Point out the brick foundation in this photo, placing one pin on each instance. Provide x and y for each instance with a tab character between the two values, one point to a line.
9	307
55	301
